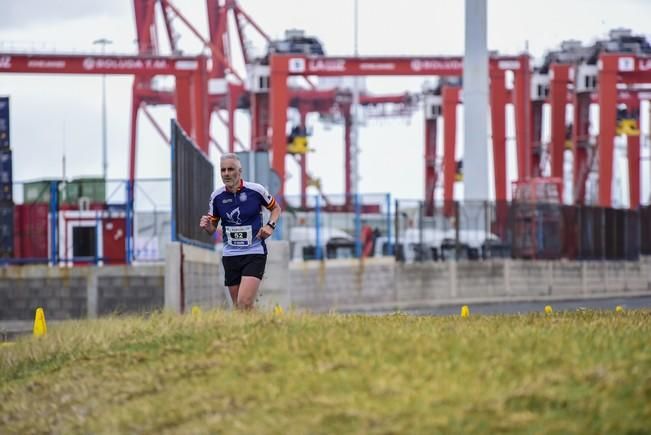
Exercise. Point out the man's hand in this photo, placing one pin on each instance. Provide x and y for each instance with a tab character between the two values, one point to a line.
264	232
206	223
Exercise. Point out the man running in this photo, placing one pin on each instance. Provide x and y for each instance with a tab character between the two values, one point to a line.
238	204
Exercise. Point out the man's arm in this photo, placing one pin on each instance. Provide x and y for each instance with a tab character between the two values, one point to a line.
275	213
209	223
267	229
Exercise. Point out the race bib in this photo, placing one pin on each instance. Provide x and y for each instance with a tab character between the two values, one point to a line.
240	235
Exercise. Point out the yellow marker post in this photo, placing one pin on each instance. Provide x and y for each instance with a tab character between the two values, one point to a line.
40	327
548	309
619	309
465	311
278	310
196	311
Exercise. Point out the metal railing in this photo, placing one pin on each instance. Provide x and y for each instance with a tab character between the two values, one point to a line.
118	224
483	230
95	222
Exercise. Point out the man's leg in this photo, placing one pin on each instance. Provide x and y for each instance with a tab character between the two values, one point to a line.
247	292
232	277
234	290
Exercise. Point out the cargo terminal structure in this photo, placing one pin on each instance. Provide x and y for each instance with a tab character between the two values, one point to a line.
590	98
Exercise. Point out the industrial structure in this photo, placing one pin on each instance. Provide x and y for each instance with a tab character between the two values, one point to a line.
614	74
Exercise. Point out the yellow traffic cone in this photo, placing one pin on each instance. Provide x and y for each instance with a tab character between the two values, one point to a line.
619	309
278	310
465	311
40	327
548	309
196	311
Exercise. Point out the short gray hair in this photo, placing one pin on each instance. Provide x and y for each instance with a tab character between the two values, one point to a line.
231	156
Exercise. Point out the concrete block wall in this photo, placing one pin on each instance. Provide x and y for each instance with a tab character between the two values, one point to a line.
528	278
194	275
341	283
200	281
23	289
383	283
122	289
72	293
480	279
275	288
422	281
67	293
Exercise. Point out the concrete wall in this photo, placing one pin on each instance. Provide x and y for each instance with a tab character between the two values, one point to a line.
376	283
275	288
383	283
70	293
195	276
122	289
200	281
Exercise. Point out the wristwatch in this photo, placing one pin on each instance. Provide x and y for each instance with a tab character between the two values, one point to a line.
272	224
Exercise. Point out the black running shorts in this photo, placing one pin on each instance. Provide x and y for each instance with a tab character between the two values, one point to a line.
237	266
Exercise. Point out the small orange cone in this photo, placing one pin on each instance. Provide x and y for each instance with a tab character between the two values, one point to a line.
40	327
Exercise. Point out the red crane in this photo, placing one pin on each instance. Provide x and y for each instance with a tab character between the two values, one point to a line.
204	85
283	66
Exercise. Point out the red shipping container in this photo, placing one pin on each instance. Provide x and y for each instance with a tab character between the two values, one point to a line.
113	239
18	239
31	231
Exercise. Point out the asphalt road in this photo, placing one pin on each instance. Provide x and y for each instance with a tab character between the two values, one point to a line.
628	303
9	330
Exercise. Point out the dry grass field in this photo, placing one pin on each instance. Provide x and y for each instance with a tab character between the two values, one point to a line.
296	373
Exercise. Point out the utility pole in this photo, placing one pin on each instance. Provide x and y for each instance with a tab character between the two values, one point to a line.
104	42
354	131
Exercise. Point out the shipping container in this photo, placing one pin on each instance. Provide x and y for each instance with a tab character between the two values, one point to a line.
6	192
92	188
6	230
113	239
6	178
31	231
4	123
37	191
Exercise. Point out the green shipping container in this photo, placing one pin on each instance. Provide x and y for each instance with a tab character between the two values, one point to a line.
37	191
92	188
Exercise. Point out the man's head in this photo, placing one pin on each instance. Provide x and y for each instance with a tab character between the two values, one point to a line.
231	170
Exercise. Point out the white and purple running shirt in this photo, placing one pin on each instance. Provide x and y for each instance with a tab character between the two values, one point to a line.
241	216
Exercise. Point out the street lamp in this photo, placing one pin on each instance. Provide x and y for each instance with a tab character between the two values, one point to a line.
104	42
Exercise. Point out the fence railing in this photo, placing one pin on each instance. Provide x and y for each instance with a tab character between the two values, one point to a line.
117	224
337	226
86	221
482	230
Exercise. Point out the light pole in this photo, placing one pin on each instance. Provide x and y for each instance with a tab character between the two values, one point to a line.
354	136
104	42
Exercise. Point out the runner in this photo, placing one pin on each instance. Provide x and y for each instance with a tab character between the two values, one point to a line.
238	204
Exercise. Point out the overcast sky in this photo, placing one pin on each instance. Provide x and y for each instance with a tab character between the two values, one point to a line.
51	114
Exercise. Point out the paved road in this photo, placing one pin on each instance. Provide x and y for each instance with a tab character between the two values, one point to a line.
628	303
10	329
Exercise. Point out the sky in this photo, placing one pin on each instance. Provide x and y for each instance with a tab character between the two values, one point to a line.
53	115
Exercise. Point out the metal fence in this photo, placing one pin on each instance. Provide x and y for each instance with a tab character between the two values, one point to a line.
337	226
481	230
88	221
100	225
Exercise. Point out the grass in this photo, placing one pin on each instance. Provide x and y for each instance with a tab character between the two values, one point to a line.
223	372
